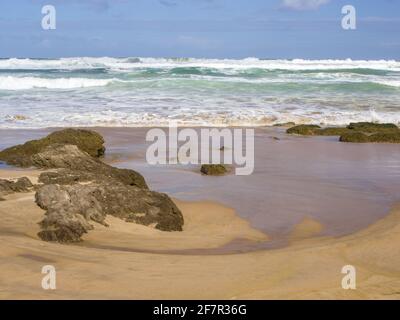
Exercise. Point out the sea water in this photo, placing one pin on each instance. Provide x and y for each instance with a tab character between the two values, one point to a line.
144	92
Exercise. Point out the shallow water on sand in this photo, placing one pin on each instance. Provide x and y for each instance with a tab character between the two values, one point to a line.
3	165
345	187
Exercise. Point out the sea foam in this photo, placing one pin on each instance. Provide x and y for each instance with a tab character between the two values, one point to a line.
149	92
25	83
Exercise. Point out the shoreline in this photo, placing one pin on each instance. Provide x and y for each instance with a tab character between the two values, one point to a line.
222	253
290	171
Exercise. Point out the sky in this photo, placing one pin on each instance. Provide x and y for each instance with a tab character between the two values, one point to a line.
308	29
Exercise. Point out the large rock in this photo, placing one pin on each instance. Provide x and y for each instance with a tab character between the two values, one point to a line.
380	137
304	129
371	127
285	124
81	189
20	185
64	220
359	132
213	169
70	208
88	141
81	167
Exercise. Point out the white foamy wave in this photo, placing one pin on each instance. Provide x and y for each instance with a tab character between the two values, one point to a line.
254	63
26	83
63	63
126	64
390	83
152	91
196	119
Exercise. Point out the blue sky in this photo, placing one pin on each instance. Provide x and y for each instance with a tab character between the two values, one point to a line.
309	29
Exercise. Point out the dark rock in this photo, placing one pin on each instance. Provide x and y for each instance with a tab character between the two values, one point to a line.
370	127
356	137
21	185
86	140
70	209
333	131
82	167
304	129
285	124
311	130
65	176
385	137
380	137
213	169
360	132
83	189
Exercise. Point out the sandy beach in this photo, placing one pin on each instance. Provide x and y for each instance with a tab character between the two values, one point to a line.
127	261
202	150
222	252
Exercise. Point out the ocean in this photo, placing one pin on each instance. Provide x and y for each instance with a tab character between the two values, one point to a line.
144	92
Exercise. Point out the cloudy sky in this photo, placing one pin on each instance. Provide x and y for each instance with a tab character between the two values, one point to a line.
308	29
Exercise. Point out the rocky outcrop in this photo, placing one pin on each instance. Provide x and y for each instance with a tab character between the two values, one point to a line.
213	169
285	124
360	132
70	208
314	130
81	167
382	137
88	141
370	127
20	185
81	190
303	129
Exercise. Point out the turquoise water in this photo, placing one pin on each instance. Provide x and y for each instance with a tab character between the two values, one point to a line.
195	92
3	165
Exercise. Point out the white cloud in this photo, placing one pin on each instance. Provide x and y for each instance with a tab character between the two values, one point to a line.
304	4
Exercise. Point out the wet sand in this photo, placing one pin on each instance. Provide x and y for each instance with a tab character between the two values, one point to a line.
102	268
312	206
345	187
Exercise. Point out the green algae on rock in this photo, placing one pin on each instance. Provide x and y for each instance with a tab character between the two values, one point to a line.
380	137
360	132
82	167
213	169
314	130
82	189
304	129
86	140
388	137
356	137
285	124
371	127
333	131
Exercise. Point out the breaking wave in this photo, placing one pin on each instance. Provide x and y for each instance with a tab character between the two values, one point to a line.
196	92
